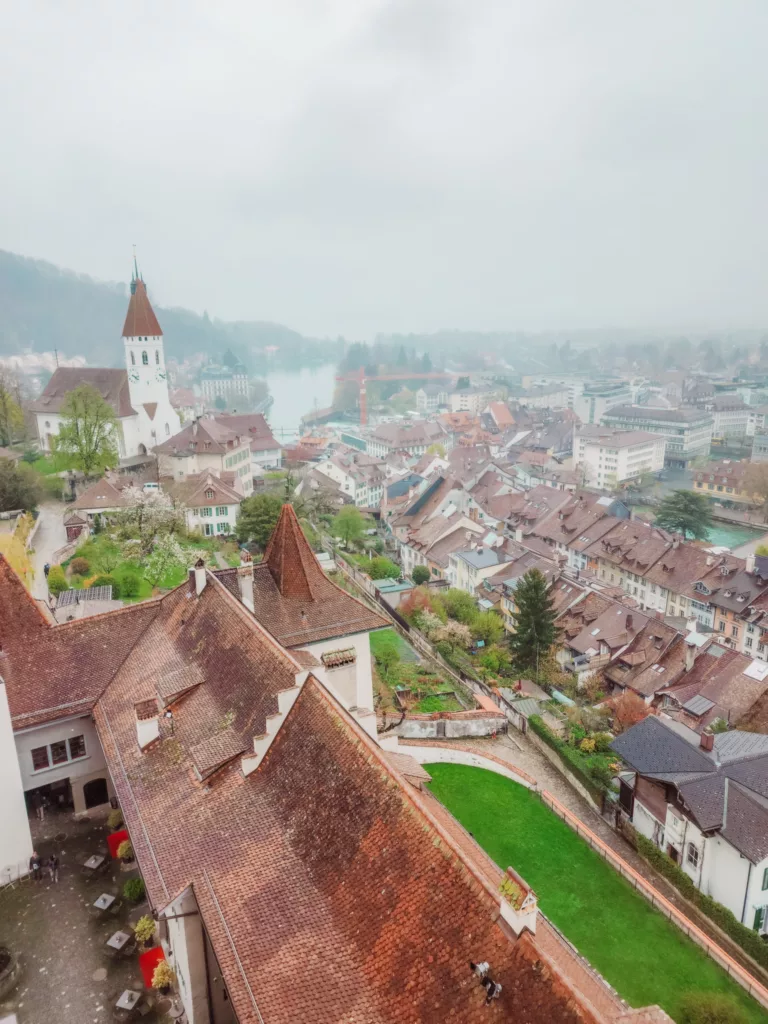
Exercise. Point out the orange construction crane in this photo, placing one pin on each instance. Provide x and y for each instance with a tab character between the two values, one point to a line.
359	376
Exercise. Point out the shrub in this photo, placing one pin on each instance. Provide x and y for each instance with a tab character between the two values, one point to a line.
709	1008
417	601
602	742
459	604
420	574
129	586
427	622
454	633
487	626
57	581
125	850
80	566
145	929
106	581
115	818
164	975
587	746
592	771
134	890
383	568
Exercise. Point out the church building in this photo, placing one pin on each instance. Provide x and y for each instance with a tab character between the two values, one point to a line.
138	394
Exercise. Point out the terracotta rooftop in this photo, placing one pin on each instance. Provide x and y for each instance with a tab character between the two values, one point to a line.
254	427
285	890
140	320
101	494
201	489
200	436
112	385
293	597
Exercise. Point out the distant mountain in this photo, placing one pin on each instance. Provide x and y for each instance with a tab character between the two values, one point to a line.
43	307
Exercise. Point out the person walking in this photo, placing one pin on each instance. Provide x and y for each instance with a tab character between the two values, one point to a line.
53	868
35	865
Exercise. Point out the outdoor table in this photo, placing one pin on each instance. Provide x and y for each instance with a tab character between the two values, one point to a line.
128	999
119	940
104	902
94	863
176	1010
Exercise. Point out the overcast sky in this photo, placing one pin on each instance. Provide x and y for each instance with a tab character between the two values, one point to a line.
354	166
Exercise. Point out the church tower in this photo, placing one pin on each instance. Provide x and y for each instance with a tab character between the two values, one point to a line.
145	363
143	340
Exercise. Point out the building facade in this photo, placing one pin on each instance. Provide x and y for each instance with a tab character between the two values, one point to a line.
609	457
688	431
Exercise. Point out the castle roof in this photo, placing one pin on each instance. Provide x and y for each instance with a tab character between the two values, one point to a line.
293	597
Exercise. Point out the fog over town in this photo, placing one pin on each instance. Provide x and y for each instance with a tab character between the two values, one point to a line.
384	513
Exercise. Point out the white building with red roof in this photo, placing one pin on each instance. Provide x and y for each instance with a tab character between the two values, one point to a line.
138	394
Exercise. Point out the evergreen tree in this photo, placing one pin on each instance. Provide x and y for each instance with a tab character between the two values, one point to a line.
685	512
258	518
535	629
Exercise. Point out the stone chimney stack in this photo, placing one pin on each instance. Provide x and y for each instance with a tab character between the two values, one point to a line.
707	741
690	655
750	563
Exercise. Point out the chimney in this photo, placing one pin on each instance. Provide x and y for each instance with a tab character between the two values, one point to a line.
628	623
147	722
194	426
200	579
690	656
750	566
707	741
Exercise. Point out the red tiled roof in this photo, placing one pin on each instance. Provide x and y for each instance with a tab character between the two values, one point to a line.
112	385
140	320
294	599
101	494
317	876
201	489
256	429
70	664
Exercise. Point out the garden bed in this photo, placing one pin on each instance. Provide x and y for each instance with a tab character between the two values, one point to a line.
403	682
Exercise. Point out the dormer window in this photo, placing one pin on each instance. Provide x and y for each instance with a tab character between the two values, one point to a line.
702	588
145	358
209	495
207	445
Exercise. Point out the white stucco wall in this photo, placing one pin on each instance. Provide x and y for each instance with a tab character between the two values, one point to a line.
185	951
442	755
352	685
15	837
79	771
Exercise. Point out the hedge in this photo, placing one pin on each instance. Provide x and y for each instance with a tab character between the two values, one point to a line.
743	936
584	767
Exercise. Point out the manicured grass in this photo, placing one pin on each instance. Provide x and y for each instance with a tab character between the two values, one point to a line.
645	957
405	650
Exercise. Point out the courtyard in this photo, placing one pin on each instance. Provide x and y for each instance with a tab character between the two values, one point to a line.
645	957
66	974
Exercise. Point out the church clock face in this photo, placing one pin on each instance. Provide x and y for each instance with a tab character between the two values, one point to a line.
133	377
159	375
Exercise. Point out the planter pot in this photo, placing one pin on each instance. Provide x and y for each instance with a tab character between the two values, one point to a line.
128	865
10	970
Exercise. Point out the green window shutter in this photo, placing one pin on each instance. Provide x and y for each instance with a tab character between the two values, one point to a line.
765	878
759	915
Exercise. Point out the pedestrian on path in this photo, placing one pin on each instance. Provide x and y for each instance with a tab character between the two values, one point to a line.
53	868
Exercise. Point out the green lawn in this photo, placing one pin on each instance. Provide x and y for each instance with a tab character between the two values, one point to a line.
404	649
645	957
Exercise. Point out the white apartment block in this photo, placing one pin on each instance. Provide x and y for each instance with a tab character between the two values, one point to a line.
688	431
610	457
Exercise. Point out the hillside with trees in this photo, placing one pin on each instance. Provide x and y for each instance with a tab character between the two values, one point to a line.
43	308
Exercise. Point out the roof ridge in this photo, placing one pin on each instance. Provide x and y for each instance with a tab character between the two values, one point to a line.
113	613
286	557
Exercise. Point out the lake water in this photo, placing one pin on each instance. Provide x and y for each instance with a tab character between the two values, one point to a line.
296	394
726	535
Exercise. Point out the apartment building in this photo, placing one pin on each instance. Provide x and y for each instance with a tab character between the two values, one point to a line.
551	396
724	481
203	445
431	397
731	417
688	431
360	476
412	438
607	457
472	400
594	400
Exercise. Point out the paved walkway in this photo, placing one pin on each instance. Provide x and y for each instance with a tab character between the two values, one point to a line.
516	750
50	536
66	975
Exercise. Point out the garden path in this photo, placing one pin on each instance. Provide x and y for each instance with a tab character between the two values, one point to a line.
50	536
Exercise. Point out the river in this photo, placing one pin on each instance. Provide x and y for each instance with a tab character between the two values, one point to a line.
296	394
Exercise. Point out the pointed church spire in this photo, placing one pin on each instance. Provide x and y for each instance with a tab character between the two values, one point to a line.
134	273
294	568
140	320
